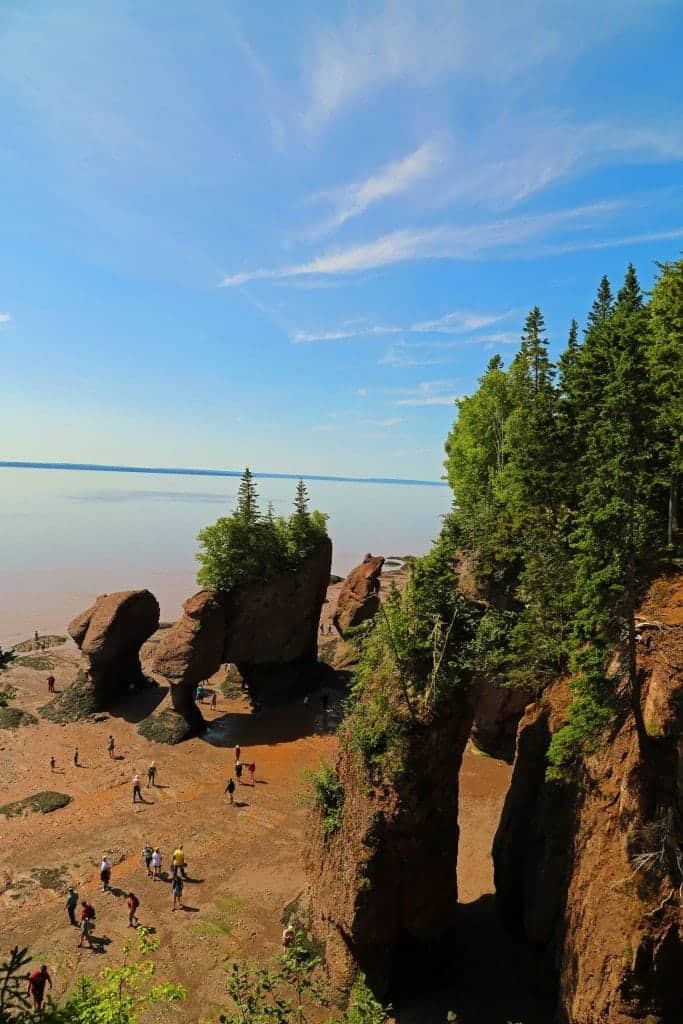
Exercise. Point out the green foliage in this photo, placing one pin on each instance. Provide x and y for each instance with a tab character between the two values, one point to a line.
567	491
328	797
416	656
293	992
247	546
118	996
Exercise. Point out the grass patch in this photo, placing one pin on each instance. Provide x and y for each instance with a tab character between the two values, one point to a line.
221	923
328	796
50	878
74	703
39	803
39	662
166	727
43	642
14	718
231	687
6	695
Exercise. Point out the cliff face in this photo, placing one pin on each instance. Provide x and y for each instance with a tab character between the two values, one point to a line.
268	629
589	870
384	885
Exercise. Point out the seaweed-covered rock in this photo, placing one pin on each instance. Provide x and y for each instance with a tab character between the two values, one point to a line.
166	727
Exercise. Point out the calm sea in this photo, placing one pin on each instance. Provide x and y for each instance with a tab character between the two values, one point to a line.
68	535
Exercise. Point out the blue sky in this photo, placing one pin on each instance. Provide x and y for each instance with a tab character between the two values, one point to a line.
238	233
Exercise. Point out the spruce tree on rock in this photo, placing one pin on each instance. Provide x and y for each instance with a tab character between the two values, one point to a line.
247	499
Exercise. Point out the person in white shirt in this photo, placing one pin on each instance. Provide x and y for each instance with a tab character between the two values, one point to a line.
105	872
157	858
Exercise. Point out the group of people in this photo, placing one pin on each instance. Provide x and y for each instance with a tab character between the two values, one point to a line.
86	917
151	781
239	771
201	692
154	858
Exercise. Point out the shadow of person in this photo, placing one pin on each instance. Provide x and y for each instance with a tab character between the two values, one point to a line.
241	803
194	881
189	910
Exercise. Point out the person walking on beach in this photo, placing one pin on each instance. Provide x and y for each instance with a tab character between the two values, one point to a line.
132	902
110	747
157	858
53	763
147	854
71	904
230	789
76	764
50	684
105	872
238	751
151	774
177	890
137	795
238	771
213	701
36	986
87	923
179	861
251	768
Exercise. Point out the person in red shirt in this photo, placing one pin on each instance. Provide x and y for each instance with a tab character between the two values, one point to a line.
133	903
36	986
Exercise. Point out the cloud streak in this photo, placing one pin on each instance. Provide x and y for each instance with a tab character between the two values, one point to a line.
499	237
391	180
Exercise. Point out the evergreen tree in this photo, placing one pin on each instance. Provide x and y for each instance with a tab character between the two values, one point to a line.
601	309
247	499
665	360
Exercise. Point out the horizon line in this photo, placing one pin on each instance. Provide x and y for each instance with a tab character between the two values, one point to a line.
92	467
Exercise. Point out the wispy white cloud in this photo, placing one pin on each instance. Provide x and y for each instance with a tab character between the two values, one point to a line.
406	43
459	322
299	337
391	421
402	355
428	392
499	237
4	318
361	392
392	179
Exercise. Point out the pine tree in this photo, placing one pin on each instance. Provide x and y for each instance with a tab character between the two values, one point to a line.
665	358
630	297
602	308
247	499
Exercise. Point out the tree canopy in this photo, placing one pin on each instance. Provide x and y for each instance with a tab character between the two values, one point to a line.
247	545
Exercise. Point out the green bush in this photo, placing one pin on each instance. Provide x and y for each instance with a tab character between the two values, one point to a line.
328	797
247	545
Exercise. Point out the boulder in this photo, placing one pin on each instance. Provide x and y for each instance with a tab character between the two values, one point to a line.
359	596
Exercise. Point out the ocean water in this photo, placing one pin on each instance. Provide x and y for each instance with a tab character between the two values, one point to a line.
68	535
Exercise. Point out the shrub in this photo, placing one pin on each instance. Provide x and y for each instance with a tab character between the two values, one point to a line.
328	797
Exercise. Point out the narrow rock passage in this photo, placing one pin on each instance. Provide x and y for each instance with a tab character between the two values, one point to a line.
493	979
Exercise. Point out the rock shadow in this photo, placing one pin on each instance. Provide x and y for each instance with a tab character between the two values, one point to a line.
281	721
139	703
486	977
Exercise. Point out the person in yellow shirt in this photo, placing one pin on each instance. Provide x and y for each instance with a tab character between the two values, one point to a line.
178	861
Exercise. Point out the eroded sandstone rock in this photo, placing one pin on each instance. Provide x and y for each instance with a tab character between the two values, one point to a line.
359	596
267	628
497	712
383	887
588	870
109	634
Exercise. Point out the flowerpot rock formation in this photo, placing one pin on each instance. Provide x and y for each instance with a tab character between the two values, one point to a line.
359	596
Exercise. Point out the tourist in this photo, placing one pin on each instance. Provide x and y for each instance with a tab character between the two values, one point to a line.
238	751
105	872
177	890
157	858
53	763
147	854
36	986
137	795
86	928
71	904
151	774
213	701
230	789
178	861
35	636
110	746
199	695
132	903
76	764
251	768
238	771
288	937
50	684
